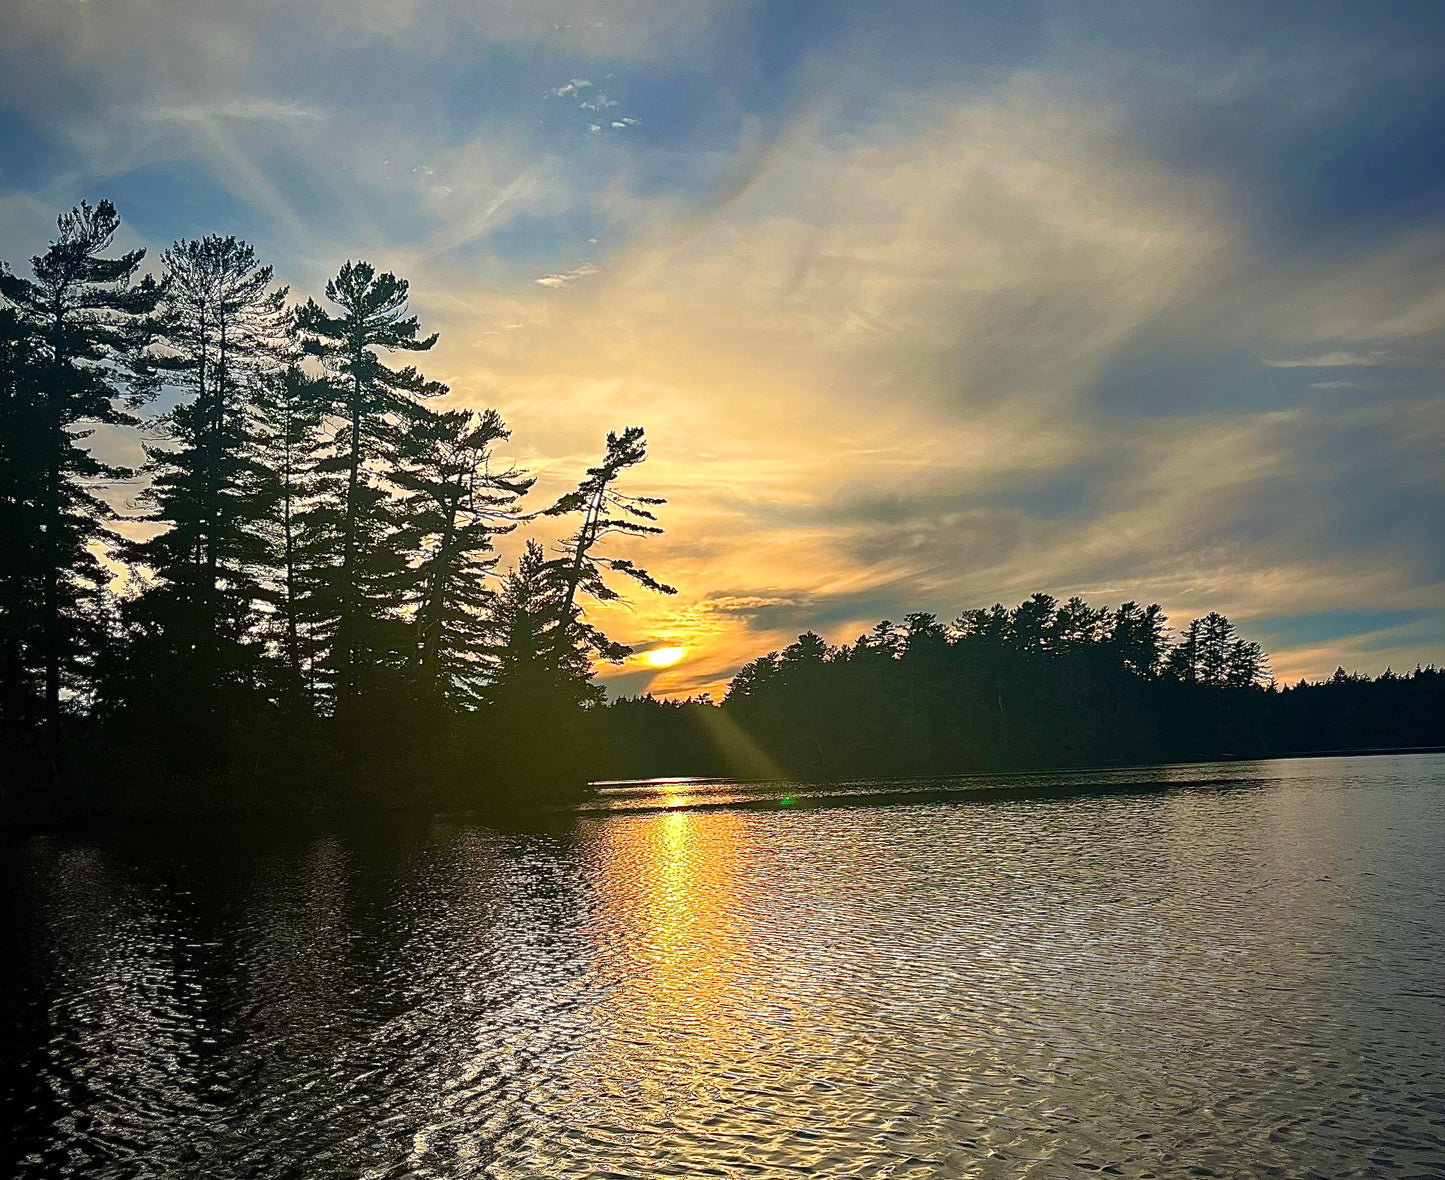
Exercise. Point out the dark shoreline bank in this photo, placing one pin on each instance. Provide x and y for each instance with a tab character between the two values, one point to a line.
747	795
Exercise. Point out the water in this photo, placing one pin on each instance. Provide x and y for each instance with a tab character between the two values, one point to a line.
1221	970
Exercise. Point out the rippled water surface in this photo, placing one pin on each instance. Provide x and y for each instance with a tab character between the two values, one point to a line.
1222	970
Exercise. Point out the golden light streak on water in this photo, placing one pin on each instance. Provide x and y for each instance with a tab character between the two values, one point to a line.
670	896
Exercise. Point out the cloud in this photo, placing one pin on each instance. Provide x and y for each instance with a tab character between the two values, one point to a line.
908	329
1331	360
868	375
566	278
567	89
250	110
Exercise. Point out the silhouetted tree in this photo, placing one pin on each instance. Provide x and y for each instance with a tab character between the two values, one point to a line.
1138	637
224	329
1210	652
1077	626
1216	637
541	664
289	405
1032	623
537	687
1039	684
360	595
1183	661
81	322
22	532
605	511
456	506
1245	664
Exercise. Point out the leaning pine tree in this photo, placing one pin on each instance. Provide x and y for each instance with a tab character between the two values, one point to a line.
606	511
540	679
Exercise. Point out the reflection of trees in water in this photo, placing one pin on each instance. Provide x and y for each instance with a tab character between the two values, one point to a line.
121	959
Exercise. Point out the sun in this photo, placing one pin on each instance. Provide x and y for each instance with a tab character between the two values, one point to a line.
664	657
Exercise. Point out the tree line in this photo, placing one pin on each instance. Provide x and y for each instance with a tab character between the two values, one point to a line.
1041	684
314	577
295	600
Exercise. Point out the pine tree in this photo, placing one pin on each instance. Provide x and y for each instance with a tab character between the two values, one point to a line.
456	505
989	627
541	666
1077	626
1183	661
1245	664
1032	623
22	534
289	406
538	684
605	512
84	323
224	328
361	594
1137	637
1216	638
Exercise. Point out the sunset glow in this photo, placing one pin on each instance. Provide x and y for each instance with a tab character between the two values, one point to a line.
816	588
914	320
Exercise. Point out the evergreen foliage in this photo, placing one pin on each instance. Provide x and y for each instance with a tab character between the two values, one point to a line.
289	407
605	511
317	616
223	331
355	516
1042	684
76	333
456	506
315	595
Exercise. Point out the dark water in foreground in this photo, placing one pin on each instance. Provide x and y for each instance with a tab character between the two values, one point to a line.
1243	974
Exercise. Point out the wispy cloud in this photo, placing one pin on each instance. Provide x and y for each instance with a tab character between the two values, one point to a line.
914	321
248	110
1334	359
567	277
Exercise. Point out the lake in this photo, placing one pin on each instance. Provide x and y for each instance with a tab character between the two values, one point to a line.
1216	970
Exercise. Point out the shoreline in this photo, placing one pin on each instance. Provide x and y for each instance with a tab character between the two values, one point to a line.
974	787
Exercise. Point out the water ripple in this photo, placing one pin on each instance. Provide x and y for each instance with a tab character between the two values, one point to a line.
1237	970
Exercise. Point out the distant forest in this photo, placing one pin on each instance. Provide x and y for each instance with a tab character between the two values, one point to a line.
1044	684
311	614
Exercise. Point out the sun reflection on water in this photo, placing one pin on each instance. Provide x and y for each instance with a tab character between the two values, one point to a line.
669	891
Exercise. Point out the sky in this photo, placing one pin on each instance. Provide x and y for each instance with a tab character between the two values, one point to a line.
923	305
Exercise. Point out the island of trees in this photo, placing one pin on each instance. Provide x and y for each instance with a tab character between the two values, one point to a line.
307	610
315	614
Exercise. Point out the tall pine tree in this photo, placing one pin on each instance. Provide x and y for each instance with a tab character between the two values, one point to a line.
361	595
456	505
224	327
83	321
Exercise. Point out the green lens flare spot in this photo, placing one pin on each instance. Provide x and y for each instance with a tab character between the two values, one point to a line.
786	801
